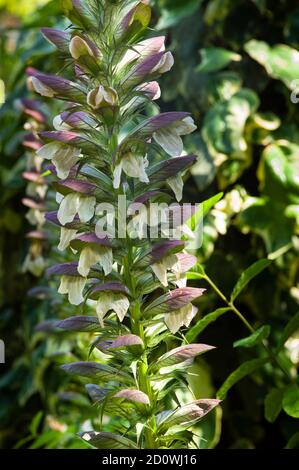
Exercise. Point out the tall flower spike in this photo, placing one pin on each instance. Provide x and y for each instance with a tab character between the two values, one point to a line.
104	152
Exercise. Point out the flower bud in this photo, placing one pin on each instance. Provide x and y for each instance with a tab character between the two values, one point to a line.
79	47
101	97
41	88
104	99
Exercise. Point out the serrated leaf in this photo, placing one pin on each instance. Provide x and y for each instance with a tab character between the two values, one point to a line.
107	440
192	334
242	371
273	404
290	328
290	401
181	354
251	272
257	337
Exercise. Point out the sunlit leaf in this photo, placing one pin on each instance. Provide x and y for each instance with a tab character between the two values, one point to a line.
193	332
248	275
290	401
216	58
255	338
242	371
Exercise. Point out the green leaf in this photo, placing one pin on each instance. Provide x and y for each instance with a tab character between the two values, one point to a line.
204	322
273	404
107	440
242	371
290	402
224	123
209	203
257	337
248	275
280	61
293	442
35	423
172	11
278	172
202	210
216	58
266	217
289	329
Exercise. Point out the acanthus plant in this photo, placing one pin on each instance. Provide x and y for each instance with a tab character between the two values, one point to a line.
36	187
104	146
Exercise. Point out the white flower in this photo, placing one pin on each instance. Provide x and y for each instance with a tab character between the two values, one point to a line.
35	217
63	156
134	166
176	183
73	286
169	138
144	48
173	263
42	89
160	268
66	236
92	255
114	301
180	317
34	189
35	265
73	204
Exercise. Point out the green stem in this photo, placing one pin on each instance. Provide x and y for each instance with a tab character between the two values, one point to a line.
137	329
246	323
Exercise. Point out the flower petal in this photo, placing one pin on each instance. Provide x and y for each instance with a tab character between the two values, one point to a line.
73	286
66	236
181	317
86	208
68	208
135	166
170	141
176	183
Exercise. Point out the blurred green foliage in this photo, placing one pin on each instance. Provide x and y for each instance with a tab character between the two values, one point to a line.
21	7
236	70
